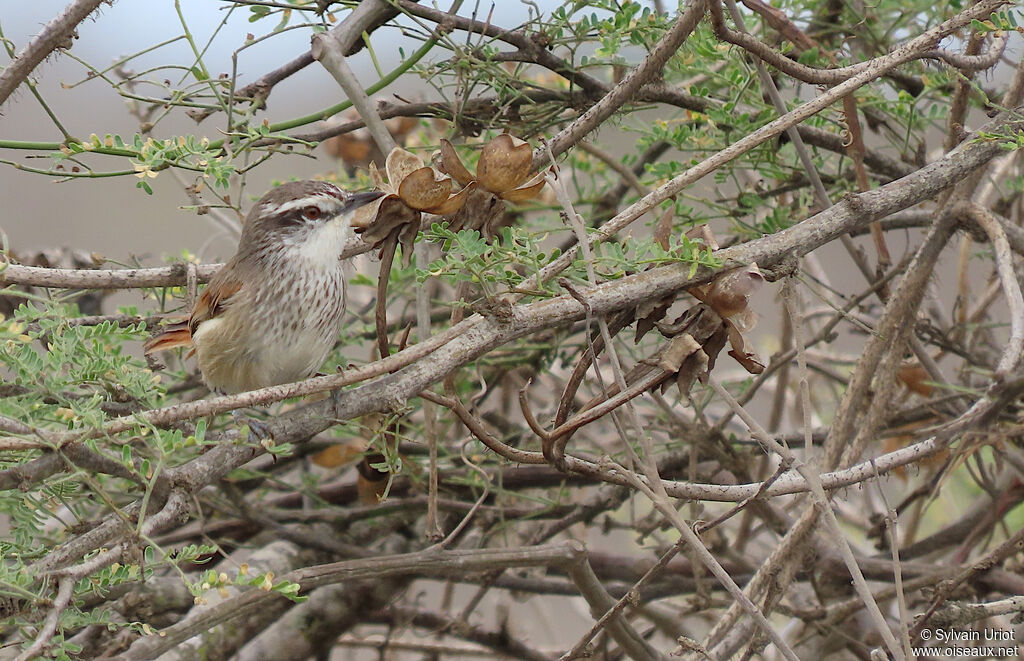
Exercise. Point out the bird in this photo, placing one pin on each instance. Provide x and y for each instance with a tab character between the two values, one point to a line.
274	311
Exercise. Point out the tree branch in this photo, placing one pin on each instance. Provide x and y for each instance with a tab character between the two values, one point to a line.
56	34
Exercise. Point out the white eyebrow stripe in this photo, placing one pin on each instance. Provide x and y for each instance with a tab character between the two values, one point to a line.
321	201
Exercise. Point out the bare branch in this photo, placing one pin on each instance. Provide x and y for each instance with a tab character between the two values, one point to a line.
627	89
65	590
56	34
1011	287
423	563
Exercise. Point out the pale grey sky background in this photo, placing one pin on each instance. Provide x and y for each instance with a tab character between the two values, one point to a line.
111	215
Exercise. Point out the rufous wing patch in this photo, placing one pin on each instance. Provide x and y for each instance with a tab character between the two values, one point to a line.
209	305
212	300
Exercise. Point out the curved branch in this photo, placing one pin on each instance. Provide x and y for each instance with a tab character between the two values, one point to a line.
1008	277
423	563
65	591
972	62
471	338
627	88
162	276
367	19
57	34
835	76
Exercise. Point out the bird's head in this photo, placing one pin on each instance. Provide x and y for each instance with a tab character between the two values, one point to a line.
313	216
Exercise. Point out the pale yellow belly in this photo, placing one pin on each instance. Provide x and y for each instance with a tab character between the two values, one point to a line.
230	364
290	343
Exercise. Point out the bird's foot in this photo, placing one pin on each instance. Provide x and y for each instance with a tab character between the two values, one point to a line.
257	428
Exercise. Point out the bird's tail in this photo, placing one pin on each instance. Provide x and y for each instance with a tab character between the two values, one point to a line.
171	337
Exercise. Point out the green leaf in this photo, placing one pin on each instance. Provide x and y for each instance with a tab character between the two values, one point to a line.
290	590
258	12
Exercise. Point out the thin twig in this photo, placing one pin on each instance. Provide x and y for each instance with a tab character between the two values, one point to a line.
627	88
696	546
600	601
65	590
423	563
818	492
55	34
1011	287
802	112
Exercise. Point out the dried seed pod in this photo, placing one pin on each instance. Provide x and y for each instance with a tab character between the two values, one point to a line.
730	293
504	164
411	188
503	168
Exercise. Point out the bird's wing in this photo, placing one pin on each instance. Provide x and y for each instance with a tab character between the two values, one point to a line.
211	302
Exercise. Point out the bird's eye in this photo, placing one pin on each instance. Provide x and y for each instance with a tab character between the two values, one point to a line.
311	213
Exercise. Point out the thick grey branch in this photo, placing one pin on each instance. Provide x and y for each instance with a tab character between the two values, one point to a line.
56	34
426	563
627	89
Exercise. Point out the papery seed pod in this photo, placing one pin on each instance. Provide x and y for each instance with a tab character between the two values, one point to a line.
412	189
504	164
503	168
729	294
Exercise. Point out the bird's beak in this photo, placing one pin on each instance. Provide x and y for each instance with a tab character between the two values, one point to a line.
357	200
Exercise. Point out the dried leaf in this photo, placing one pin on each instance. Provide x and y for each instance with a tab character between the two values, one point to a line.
337	455
914	377
348	148
400	127
713	346
909	434
749	362
678	350
407	239
648	314
739	352
695	365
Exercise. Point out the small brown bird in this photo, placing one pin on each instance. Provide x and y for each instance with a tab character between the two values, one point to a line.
273	312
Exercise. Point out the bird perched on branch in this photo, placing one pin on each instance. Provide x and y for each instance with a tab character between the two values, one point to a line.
273	312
